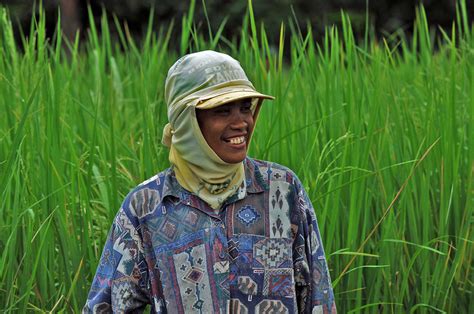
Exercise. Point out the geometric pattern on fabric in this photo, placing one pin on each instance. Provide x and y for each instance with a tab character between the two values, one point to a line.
319	274
271	307
144	202
248	215
191	218
221	267
224	284
192	280
314	242
236	306
233	250
271	253
279	282
169	229
247	285
163	231
122	294
280	226
194	275
249	218
218	250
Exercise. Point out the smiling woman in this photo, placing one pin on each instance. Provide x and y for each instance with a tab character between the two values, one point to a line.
218	231
228	128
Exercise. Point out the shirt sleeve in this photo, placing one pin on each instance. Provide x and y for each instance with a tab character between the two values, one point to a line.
121	281
313	284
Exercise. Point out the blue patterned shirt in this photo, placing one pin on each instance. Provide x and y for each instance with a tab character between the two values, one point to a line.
260	253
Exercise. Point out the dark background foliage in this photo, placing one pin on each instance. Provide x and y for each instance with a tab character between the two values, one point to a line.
385	16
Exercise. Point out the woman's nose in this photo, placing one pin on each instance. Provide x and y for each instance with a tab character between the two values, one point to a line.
238	119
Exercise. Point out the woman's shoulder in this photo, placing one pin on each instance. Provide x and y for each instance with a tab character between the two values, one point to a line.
147	195
272	171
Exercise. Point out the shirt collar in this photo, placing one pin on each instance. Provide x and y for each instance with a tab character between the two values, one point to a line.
171	187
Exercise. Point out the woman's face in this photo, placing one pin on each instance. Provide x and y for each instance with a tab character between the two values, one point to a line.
227	129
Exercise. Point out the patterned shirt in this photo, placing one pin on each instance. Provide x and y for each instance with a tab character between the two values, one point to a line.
260	253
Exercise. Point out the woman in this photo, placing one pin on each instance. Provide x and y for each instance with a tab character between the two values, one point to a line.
217	231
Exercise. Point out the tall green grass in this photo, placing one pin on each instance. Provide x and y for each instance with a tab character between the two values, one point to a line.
380	133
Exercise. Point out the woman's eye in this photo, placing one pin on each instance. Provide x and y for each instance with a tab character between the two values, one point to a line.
246	108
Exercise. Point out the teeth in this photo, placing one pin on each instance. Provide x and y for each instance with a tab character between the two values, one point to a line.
237	140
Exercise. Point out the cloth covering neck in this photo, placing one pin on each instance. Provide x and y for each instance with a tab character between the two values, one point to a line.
190	85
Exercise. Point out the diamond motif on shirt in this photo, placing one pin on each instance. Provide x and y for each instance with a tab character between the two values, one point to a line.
191	218
232	248
194	275
248	215
169	229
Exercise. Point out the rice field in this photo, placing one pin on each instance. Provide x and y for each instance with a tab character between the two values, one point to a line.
379	131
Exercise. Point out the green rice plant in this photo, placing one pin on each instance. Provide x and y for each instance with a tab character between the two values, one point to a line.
378	132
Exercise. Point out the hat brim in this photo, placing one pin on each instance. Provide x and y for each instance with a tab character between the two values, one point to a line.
229	96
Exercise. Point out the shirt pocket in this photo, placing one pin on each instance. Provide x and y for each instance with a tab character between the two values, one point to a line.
194	272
